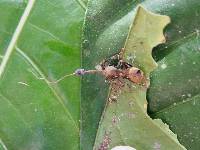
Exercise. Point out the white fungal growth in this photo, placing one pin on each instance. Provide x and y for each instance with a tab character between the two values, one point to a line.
197	31
98	67
163	66
189	95
129	58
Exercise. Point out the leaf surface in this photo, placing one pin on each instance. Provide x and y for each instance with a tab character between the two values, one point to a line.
125	122
105	31
10	15
36	114
174	92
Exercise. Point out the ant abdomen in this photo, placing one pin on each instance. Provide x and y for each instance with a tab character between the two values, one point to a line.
135	75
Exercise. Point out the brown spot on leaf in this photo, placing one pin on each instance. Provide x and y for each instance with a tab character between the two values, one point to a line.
106	142
115	120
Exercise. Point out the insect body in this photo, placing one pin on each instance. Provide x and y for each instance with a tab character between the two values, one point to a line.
113	68
116	68
133	74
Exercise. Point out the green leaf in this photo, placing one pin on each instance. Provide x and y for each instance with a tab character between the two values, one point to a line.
100	40
174	92
146	32
105	30
10	15
125	122
36	114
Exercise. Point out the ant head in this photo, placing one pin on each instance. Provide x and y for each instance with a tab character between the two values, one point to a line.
135	75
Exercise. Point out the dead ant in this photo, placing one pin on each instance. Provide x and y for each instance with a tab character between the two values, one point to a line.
117	68
112	69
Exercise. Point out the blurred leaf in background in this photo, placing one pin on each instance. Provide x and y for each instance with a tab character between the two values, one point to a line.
35	114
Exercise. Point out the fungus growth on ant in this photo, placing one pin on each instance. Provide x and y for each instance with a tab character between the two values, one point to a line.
112	68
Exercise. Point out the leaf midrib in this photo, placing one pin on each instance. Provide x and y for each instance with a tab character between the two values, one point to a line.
16	35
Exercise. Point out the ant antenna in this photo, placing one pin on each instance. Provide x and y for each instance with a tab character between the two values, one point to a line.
63	77
78	72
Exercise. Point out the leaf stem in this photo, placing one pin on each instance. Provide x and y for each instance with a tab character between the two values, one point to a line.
15	36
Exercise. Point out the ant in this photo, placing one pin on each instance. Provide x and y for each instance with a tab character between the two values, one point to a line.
113	68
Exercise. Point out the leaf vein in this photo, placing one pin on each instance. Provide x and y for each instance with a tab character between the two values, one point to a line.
182	39
171	106
58	97
45	31
15	36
